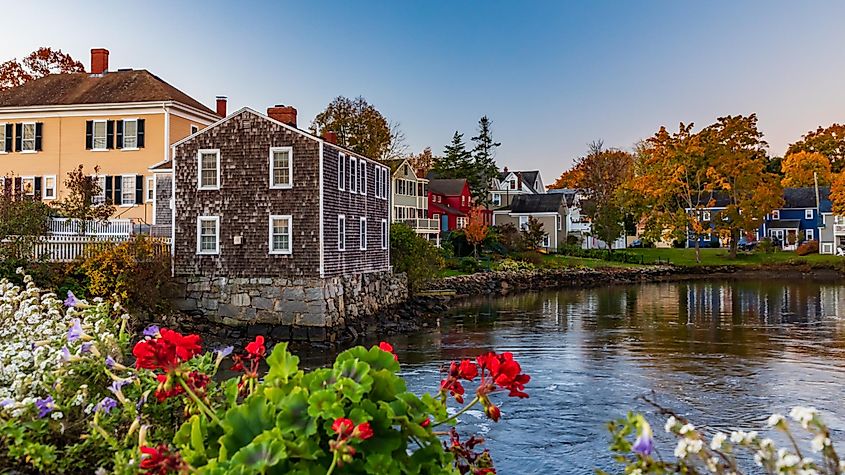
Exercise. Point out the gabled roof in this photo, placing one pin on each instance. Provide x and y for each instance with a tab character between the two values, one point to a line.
540	203
529	177
84	88
448	187
784	224
804	197
394	163
446	209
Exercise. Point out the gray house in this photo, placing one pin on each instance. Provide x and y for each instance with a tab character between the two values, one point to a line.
549	209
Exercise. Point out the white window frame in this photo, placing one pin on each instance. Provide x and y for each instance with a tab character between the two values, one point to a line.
461	222
809	234
44	188
362	176
216	250
353	175
547	241
341	232
215	151
705	216
123	190
3	150
362	233
94	147
151	189
273	184
776	214
194	129
523	223
24	180
341	171
24	141
497	199
101	198
270	241
135	147
808	213
384	234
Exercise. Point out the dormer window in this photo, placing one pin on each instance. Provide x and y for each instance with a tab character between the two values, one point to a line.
776	214
513	184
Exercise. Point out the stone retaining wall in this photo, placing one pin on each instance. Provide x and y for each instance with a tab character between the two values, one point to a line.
297	309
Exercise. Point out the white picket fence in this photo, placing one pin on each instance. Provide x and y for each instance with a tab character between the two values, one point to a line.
69	248
76	227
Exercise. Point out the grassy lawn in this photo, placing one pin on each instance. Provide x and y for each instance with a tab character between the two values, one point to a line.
686	257
557	262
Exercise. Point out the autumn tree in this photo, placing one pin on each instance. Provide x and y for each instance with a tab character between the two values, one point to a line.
572	178
828	141
37	64
476	231
804	169
736	152
837	194
79	203
422	162
483	161
359	126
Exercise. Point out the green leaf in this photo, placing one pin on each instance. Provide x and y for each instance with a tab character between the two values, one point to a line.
243	423
283	365
381	464
325	404
293	415
265	451
198	435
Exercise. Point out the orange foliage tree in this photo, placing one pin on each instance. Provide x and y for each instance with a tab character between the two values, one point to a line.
37	64
828	141
476	230
837	194
572	178
802	168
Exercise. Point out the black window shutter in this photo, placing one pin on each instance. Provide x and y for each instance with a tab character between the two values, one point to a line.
18	137
109	188
118	184
7	147
18	187
140	129
39	127
119	134
89	135
139	189
38	188
110	134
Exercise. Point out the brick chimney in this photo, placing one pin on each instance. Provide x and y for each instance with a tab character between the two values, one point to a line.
506	169
221	106
282	113
330	136
99	60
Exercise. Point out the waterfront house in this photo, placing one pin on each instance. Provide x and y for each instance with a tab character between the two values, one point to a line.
799	219
510	184
409	200
278	226
122	121
450	201
549	209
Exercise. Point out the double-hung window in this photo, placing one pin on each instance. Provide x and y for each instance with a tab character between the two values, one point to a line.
776	214
809	234
341	232
808	214
28	137
362	172
208	235
127	190
362	234
28	185
100	197
281	167
208	168
99	135
377	181
384	235
280	234
523	223
386	183
151	188
49	187
130	133
353	174
341	171
3	146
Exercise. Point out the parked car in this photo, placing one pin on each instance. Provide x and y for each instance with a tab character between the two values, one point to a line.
639	243
746	245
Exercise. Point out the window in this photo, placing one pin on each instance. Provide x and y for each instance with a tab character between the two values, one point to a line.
280	235
353	174
362	171
49	187
341	232
3	147
99	141
130	134
28	140
28	185
194	129
151	188
101	184
461	222
362	234
385	182
208	235
559	222
808	214
209	169
705	216
809	234
127	190
463	200
384	235
281	167
776	214
377	182
512	184
341	171
546	241
497	199
523	222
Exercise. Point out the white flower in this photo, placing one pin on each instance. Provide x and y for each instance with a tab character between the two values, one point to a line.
687	428
718	440
819	443
775	419
737	436
636	471
786	459
694	446
803	415
56	415
671	423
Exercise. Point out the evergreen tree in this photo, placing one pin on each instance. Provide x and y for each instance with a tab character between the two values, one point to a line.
456	161
484	162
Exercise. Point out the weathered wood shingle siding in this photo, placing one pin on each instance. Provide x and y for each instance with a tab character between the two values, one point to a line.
353	206
245	201
163	193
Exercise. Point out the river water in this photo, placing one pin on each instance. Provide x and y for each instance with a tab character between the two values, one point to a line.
723	353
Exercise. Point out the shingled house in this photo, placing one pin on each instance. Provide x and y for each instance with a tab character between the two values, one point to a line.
274	225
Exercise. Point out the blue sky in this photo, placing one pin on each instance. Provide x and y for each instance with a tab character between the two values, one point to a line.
552	76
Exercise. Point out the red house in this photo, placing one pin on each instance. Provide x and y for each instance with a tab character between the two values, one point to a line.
450	201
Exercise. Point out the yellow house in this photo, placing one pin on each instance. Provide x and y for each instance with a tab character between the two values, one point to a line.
118	122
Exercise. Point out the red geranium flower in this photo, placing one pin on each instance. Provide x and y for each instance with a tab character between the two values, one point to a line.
467	370
363	431
493	412
256	349
454	387
426	422
385	346
167	351
160	460
187	346
343	427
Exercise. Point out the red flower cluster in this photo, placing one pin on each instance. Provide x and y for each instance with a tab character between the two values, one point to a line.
167	351
500	371
467	460
161	461
505	372
168	388
248	362
466	370
347	431
385	346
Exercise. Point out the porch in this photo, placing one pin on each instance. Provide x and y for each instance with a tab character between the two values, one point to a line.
785	233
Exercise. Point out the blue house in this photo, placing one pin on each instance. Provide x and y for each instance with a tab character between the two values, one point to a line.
716	203
800	217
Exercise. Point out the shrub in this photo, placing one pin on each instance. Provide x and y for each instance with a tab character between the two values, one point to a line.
414	255
767	246
808	247
509	264
531	257
573	240
470	265
509	237
604	254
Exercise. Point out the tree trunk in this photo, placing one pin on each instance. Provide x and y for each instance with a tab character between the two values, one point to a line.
698	249
734	241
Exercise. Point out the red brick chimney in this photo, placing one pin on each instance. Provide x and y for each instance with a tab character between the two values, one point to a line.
221	106
99	60
330	136
282	113
506	169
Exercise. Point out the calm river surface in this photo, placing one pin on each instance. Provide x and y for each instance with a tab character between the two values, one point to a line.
724	353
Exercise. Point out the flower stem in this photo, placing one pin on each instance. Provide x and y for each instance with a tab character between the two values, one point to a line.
200	404
333	465
455	415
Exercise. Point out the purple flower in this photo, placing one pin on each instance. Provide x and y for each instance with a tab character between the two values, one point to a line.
71	300
75	332
45	406
644	445
110	362
86	347
224	352
151	331
117	385
65	354
6	402
106	405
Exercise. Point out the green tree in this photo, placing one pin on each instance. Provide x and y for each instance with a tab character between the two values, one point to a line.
533	234
414	255
79	201
359	126
456	161
22	221
604	173
484	162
